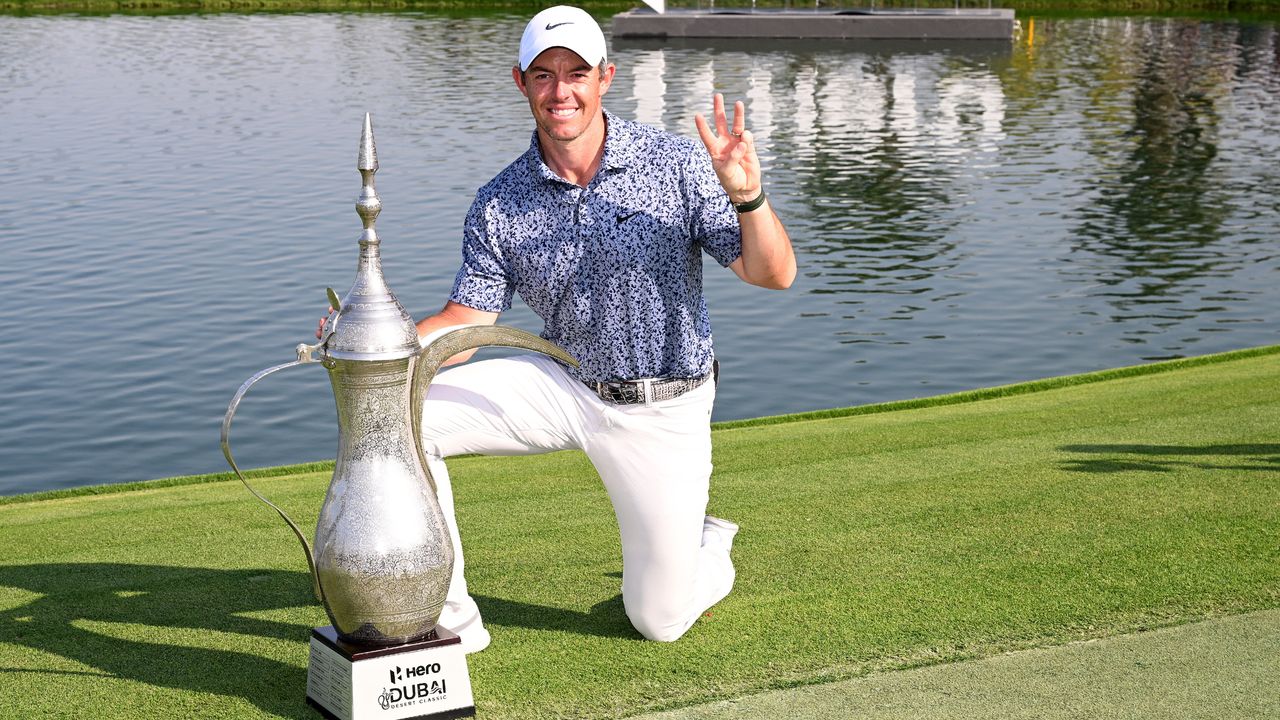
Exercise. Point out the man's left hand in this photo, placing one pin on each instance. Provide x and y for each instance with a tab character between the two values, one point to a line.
733	153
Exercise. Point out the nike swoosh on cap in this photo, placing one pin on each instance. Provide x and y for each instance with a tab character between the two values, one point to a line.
553	27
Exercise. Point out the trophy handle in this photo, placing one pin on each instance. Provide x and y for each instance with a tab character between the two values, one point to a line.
432	356
226	451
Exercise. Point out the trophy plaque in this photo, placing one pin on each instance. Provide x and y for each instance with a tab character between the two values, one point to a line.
419	680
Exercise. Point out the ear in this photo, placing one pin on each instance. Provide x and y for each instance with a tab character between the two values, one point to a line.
606	77
519	78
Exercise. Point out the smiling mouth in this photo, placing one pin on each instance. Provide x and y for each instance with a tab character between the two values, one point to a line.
563	112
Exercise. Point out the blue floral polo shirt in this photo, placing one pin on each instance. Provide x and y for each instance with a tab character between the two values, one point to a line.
615	268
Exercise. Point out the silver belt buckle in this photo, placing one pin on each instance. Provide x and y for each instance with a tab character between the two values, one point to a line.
647	384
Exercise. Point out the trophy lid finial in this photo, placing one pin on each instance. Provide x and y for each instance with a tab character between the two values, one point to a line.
368	153
373	325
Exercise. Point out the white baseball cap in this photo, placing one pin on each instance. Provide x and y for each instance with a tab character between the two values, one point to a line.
566	27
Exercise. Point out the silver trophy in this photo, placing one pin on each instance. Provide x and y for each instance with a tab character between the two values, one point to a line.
382	558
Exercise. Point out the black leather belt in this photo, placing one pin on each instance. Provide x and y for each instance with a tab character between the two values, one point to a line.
648	390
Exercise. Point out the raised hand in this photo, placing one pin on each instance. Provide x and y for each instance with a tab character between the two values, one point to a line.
733	152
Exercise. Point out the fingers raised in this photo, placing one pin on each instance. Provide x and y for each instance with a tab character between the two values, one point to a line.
739	117
704	132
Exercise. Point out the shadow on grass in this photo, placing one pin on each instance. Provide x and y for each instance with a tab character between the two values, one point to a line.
1167	458
164	597
604	619
75	595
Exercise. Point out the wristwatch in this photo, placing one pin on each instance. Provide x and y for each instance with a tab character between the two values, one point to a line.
750	205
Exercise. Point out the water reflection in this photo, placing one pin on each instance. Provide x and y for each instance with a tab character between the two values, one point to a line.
1156	243
1160	211
966	214
875	143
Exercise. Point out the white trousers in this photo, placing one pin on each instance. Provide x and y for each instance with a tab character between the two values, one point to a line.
655	462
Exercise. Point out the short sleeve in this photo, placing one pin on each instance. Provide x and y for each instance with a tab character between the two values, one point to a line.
483	282
713	223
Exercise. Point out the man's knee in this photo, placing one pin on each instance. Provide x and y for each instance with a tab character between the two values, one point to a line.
657	624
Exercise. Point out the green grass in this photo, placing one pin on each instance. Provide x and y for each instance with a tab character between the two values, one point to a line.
894	539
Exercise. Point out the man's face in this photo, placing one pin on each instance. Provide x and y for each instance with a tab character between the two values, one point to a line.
564	92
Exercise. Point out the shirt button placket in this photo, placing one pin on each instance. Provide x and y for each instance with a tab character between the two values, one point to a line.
584	217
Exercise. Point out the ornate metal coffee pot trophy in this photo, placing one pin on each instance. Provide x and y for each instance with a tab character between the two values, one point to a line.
383	558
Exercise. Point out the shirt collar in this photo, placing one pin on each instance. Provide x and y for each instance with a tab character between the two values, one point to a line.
619	145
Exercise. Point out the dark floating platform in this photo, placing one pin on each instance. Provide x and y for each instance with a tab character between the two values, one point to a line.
897	24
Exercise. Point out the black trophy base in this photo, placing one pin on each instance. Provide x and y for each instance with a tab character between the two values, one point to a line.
421	680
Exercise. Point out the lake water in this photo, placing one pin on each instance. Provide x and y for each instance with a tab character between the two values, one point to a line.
176	192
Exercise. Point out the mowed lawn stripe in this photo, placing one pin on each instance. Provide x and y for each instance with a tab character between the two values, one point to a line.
1220	669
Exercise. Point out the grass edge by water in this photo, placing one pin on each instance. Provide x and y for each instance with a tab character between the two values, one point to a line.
1001	391
965	396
